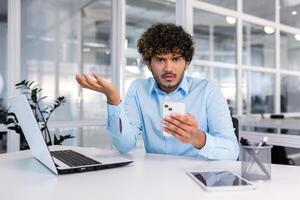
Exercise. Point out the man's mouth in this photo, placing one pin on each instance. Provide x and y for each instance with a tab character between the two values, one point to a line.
168	77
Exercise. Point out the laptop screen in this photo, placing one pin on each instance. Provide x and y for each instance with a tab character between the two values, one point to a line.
20	106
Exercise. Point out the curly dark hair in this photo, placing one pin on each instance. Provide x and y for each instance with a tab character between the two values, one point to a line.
163	38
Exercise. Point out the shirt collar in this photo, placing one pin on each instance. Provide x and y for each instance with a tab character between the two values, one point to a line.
184	86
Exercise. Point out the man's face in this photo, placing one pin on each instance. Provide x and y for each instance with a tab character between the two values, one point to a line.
168	70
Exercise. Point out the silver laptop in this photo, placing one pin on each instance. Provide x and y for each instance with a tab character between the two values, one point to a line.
62	161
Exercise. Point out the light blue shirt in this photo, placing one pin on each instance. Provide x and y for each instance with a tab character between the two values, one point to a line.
141	113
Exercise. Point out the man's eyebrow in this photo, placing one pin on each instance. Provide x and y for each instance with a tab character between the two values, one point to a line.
177	56
158	56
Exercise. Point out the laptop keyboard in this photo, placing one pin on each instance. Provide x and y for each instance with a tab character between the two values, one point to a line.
72	158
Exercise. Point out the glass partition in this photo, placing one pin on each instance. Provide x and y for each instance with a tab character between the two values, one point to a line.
60	39
258	92
290	13
215	37
290	51
258	45
260	8
290	94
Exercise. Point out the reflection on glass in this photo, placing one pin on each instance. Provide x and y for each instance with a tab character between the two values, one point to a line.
226	79
258	92
231	4
219	179
215	37
142	14
258	45
290	51
290	13
290	94
260	8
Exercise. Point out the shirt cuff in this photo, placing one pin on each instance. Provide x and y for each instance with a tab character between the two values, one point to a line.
113	111
113	115
209	146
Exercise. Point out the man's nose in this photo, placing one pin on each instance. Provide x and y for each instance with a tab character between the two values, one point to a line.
168	65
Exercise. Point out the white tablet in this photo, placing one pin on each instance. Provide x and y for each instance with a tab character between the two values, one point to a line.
221	181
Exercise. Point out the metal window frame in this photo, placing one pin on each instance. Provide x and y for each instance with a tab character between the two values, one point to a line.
242	17
13	61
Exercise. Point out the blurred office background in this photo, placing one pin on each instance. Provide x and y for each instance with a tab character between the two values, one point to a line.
251	48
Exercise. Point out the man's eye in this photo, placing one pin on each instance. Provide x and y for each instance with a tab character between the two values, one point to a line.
160	59
177	59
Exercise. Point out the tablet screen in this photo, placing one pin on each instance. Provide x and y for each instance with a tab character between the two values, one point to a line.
219	178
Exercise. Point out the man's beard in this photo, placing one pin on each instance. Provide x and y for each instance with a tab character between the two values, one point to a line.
167	86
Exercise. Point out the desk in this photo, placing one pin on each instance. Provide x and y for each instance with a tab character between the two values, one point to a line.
287	140
286	123
153	177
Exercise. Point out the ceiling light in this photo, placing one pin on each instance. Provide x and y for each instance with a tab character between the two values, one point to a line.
94	44
268	30
294	12
86	49
230	20
297	37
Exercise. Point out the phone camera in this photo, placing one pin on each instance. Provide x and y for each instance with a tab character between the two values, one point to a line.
170	109
166	105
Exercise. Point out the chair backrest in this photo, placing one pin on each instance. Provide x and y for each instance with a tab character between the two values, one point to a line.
235	123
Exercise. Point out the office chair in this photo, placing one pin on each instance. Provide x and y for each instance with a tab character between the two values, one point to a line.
235	123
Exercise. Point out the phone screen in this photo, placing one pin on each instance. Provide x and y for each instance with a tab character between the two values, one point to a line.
219	178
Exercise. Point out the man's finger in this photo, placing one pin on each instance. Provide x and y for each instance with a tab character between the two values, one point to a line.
83	83
183	119
175	128
91	82
176	122
98	78
176	135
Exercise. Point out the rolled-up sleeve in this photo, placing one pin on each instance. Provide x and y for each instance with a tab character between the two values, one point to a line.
124	123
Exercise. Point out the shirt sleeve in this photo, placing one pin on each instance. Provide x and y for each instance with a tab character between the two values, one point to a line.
221	142
124	122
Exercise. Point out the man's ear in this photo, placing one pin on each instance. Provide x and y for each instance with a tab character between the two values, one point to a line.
148	65
186	65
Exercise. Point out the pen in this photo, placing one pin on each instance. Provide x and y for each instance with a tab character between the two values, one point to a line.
262	167
260	144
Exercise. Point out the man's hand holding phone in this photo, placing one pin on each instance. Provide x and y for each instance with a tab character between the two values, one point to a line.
184	127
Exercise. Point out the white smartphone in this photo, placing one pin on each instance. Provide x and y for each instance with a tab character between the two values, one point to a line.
214	181
170	108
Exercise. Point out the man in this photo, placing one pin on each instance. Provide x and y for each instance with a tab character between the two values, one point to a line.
206	130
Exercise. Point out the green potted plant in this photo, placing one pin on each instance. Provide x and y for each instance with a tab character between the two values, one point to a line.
41	111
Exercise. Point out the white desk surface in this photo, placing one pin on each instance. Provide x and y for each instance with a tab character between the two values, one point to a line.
153	177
